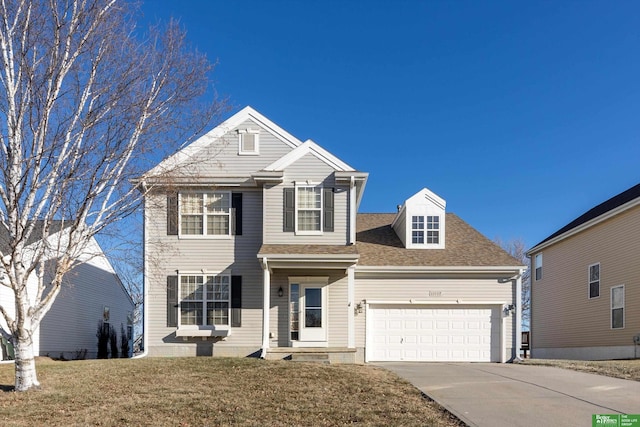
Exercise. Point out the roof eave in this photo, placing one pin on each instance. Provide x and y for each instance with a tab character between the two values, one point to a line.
582	227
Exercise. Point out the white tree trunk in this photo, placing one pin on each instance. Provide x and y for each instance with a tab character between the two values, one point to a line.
26	377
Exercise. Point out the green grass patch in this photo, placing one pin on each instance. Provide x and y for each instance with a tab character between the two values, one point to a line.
212	392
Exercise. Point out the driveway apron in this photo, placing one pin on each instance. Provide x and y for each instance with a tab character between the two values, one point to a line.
491	394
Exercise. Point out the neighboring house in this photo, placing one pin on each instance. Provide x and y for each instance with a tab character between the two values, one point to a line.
585	285
253	246
91	292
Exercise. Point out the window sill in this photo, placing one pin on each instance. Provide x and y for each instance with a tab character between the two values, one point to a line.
204	237
309	233
219	331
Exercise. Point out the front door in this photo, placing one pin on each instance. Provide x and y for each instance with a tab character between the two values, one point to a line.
308	314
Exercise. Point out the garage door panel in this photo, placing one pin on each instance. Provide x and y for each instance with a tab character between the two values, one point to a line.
432	334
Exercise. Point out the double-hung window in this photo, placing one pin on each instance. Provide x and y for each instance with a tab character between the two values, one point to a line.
617	307
204	300
594	280
205	214
309	208
538	266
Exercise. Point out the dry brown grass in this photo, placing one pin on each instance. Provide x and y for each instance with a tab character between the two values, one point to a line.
625	369
212	392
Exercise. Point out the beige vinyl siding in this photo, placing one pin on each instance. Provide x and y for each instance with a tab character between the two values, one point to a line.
166	255
313	170
336	300
221	157
466	291
562	313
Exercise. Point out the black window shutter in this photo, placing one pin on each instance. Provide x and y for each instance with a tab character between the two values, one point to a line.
236	301
236	205
328	209
289	209
172	301
172	214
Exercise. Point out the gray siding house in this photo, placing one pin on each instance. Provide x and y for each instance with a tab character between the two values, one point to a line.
254	247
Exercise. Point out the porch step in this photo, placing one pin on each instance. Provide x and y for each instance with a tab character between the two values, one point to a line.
310	357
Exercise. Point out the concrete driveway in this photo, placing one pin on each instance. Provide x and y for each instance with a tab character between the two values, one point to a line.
491	394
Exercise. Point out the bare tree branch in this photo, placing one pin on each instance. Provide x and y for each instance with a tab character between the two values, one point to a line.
87	103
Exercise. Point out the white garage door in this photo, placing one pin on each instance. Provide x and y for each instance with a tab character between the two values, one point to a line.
435	334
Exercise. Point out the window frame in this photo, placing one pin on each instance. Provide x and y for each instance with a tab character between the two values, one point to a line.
589	281
256	142
432	224
537	267
621	307
205	300
320	189
204	214
417	229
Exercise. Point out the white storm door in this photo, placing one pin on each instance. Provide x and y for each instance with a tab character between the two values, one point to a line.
313	313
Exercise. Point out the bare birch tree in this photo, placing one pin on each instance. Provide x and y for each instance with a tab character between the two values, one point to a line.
517	249
87	101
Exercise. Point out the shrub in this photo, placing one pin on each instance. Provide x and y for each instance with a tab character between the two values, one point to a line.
113	341
103	340
124	342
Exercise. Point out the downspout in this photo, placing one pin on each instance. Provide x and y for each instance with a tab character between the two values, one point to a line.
352	212
518	317
145	287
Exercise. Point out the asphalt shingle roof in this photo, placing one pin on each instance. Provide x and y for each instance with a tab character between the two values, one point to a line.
378	245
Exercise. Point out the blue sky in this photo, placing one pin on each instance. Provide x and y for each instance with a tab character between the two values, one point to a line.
521	115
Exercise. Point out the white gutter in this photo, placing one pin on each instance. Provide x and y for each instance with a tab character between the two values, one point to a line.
439	269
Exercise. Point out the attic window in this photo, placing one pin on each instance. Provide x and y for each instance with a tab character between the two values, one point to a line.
432	226
248	141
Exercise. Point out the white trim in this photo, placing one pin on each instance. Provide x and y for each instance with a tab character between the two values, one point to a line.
315	187
589	297
308	147
204	214
605	216
204	326
611	308
440	269
352	211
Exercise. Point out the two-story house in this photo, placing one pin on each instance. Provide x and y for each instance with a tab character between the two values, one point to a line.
253	246
585	289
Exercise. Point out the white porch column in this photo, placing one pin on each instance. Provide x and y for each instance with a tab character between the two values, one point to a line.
266	299
351	330
518	315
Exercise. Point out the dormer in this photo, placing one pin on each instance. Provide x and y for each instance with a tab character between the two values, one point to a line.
420	222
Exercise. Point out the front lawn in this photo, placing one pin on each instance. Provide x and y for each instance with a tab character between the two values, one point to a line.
211	392
625	369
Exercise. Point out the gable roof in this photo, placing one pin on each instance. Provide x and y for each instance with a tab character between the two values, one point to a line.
247	113
309	147
378	245
604	210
